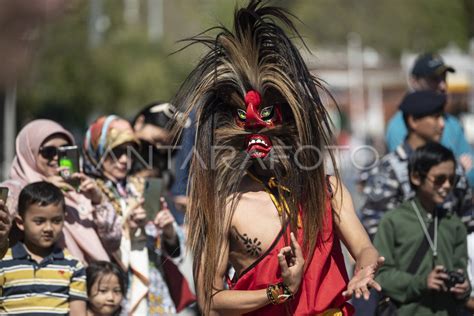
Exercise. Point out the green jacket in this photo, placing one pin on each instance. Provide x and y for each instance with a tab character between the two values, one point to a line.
398	238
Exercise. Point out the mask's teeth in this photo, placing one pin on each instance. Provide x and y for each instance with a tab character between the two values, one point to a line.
257	141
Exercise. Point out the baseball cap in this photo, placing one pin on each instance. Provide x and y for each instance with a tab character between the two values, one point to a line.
423	103
430	64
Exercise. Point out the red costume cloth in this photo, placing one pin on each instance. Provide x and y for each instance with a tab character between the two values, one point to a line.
323	282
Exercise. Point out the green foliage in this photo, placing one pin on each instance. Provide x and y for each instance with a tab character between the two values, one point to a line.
74	83
387	25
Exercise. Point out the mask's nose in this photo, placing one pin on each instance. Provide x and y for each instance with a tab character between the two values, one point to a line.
253	119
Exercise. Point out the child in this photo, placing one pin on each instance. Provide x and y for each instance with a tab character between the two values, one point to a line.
105	288
436	283
35	275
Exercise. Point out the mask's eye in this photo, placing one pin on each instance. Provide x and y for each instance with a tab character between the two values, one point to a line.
242	115
267	112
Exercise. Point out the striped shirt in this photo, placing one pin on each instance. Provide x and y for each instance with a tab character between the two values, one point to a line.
45	288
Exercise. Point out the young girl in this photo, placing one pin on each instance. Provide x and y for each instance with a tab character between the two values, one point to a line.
105	288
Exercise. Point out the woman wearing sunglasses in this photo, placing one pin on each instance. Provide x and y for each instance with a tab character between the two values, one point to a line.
91	228
109	147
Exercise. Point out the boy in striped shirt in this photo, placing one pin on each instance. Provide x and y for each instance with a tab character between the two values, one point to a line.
37	277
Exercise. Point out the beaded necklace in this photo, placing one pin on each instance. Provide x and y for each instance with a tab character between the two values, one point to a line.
111	196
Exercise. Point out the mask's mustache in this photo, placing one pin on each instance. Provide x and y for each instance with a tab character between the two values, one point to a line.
230	151
232	135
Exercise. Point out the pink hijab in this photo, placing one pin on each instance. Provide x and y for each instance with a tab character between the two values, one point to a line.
28	143
80	236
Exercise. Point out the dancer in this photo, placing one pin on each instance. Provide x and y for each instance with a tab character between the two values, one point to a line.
260	199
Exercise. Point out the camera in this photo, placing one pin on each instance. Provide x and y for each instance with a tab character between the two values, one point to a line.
454	278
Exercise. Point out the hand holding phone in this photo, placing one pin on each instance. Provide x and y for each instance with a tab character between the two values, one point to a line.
5	222
164	220
69	164
135	214
89	188
151	195
4	194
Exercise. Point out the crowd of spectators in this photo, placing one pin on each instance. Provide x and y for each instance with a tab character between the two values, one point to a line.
419	205
96	223
92	221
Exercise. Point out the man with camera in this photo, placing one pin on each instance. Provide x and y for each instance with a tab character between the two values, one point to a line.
424	245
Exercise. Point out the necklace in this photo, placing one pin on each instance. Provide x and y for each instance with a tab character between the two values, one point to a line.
433	243
279	201
272	184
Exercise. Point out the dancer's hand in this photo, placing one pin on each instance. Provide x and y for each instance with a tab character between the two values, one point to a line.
363	280
291	264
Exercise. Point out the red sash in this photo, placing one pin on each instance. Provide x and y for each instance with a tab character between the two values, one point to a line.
322	284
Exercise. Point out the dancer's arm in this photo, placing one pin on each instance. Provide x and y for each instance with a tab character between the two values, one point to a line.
227	302
354	236
233	302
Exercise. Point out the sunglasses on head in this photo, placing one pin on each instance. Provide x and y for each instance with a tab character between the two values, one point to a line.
49	152
441	179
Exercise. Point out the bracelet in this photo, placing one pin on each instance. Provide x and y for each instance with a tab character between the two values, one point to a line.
279	293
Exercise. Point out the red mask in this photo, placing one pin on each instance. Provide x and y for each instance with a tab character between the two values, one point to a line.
257	117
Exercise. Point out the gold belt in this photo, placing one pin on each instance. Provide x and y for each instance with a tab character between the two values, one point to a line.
331	312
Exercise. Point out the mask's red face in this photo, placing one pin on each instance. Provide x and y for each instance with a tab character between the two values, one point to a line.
255	118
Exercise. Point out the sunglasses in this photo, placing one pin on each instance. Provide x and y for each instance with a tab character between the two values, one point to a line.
169	112
441	179
121	150
49	152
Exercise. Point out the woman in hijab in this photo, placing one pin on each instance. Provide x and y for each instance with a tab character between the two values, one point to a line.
91	229
109	145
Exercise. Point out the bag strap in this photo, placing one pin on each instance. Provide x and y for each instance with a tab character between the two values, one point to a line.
420	253
414	264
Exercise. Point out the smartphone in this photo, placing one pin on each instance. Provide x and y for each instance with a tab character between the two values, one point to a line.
151	195
69	157
3	194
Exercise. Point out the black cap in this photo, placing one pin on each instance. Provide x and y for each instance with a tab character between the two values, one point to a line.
430	65
423	103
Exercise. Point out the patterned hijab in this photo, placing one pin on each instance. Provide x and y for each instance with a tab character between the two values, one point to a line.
28	144
103	135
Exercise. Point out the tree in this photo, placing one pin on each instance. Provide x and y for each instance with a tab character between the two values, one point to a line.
74	83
